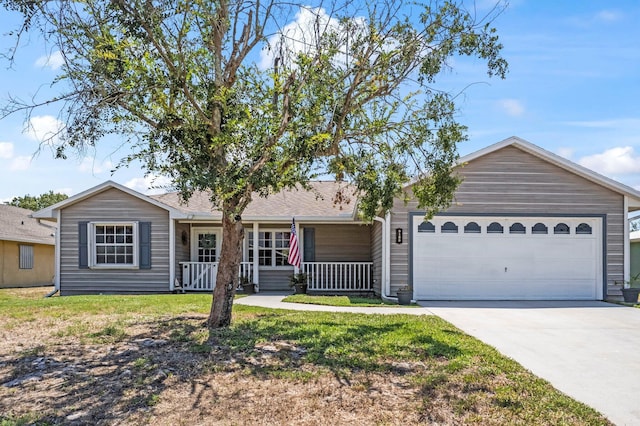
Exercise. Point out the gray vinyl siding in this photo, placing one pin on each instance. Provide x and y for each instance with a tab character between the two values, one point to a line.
182	251
376	256
511	181
113	205
273	279
342	243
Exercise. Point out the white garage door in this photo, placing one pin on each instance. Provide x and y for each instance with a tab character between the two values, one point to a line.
514	258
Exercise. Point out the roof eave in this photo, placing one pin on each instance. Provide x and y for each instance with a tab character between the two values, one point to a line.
51	211
275	219
27	240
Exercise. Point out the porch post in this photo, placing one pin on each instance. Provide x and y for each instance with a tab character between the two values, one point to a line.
172	252
256	252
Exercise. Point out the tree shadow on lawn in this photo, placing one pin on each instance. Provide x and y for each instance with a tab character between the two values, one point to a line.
107	382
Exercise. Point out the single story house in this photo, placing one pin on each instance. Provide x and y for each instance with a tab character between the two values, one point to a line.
525	224
26	249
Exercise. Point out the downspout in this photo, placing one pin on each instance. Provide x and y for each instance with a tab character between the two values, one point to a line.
56	254
383	266
55	290
385	255
627	242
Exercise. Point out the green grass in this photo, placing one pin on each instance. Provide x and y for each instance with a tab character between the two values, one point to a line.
339	300
71	306
445	366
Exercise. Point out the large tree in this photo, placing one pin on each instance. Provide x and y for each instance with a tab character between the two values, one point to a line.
38	202
246	97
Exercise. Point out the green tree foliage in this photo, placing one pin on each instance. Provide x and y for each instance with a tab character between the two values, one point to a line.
40	202
348	91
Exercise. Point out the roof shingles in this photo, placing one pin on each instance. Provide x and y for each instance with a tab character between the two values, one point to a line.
318	202
16	224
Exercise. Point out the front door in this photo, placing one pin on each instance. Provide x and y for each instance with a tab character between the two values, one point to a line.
205	250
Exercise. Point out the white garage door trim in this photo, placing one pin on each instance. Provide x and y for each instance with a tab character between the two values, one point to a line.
508	265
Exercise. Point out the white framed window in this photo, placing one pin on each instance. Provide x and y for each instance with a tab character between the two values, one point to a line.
26	257
273	247
113	245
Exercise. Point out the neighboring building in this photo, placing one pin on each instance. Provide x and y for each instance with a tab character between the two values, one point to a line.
526	224
26	249
634	239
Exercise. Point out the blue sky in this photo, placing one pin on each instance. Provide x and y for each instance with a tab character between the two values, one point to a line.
573	88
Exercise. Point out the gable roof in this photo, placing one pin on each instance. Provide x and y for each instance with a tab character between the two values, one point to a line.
16	224
51	211
316	204
615	186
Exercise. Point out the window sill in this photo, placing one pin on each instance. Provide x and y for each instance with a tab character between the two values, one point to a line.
123	267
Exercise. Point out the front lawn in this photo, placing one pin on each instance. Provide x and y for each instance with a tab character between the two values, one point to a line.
338	300
149	360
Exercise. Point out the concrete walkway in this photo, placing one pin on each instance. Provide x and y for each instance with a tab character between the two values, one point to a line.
274	300
588	350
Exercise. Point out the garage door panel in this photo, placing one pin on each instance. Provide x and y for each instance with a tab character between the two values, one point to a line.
507	266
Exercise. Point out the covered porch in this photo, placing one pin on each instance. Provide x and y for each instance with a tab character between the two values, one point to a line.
322	277
337	258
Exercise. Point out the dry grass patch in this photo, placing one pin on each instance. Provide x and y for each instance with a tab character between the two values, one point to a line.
271	367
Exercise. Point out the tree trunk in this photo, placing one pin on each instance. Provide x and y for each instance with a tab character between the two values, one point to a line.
228	270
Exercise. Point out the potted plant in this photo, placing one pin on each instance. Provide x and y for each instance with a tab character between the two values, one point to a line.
299	282
405	294
631	289
247	286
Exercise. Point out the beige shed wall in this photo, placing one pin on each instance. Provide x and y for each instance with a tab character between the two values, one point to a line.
43	265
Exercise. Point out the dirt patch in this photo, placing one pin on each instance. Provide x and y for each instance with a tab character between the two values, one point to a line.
74	367
150	377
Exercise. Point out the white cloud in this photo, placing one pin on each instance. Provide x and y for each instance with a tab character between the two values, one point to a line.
615	161
299	35
66	190
89	165
605	16
150	184
6	150
54	61
22	162
565	152
44	129
614	123
302	35
512	107
608	16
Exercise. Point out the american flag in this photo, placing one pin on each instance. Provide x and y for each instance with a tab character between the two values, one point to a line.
294	250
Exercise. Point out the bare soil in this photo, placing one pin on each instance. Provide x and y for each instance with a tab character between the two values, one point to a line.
149	378
169	370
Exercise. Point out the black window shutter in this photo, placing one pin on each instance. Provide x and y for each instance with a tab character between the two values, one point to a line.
83	246
309	244
144	228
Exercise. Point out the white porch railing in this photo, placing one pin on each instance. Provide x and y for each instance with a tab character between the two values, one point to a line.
201	276
338	276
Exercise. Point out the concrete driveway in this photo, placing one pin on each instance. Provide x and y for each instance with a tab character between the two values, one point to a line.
588	350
